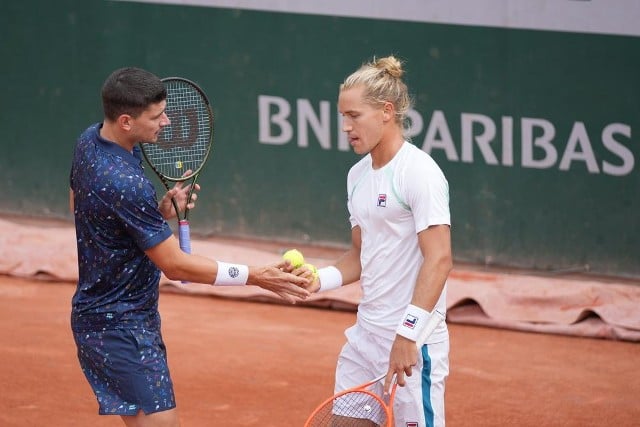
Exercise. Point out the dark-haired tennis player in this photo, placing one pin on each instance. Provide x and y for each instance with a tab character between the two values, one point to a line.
124	242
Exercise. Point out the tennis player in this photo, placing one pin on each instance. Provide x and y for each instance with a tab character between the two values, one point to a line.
124	241
398	201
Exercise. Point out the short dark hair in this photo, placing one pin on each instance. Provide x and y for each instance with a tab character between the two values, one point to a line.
130	91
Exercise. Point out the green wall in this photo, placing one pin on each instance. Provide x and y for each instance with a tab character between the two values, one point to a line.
577	95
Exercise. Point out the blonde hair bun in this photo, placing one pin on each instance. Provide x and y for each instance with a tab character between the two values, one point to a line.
391	65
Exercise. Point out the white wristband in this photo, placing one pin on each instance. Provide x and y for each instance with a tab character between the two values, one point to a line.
413	321
231	274
330	278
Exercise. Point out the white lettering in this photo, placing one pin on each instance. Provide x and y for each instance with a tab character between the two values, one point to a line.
483	139
438	126
343	142
265	120
543	141
579	137
507	141
538	145
321	126
617	148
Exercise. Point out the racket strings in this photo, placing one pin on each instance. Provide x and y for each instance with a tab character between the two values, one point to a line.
185	143
356	408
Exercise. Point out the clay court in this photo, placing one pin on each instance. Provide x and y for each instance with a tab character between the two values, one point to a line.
239	361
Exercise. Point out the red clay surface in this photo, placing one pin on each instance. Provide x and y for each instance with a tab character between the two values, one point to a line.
237	363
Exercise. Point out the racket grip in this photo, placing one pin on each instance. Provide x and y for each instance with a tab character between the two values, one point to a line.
184	236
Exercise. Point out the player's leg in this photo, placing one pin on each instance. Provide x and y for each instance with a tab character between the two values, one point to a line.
167	418
128	372
439	359
363	357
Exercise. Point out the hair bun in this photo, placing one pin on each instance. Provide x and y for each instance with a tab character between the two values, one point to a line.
391	65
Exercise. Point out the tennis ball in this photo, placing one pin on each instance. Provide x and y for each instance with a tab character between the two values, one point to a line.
313	269
294	257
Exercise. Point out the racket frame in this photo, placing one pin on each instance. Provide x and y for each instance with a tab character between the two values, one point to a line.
387	407
183	223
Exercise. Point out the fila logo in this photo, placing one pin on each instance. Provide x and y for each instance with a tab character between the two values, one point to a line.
410	321
411	424
382	200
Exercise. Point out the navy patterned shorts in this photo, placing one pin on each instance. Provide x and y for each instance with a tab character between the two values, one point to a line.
127	369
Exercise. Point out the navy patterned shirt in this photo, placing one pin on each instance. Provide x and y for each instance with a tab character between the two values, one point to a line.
117	219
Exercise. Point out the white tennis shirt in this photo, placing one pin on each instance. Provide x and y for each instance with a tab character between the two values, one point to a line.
391	205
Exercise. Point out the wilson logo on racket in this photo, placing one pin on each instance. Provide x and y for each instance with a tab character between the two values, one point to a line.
184	129
410	321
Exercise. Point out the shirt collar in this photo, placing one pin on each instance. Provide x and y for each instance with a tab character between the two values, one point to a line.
110	147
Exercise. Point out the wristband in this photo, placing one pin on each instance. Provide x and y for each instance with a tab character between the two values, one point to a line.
413	321
330	278
231	274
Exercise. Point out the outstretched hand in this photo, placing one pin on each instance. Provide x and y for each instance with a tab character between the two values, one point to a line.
313	282
179	193
288	286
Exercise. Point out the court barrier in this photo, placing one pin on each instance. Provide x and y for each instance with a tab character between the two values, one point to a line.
525	301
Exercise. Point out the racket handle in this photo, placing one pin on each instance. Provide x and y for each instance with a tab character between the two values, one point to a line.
184	235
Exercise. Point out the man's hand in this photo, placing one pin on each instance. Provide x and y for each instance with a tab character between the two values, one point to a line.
403	357
313	284
272	278
179	193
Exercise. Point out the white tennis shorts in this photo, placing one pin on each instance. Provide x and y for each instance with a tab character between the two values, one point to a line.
420	403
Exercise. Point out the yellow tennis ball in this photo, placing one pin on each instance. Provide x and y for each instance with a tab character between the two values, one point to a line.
294	257
313	269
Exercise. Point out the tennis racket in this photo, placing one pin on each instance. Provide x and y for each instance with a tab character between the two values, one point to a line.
365	405
183	145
